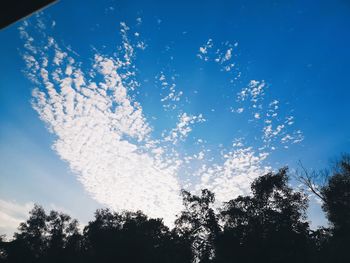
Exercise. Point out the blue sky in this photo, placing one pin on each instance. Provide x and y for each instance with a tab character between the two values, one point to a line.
225	91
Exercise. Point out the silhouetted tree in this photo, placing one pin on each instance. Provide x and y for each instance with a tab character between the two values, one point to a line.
333	188
320	239
3	244
30	243
44	238
198	224
63	238
336	196
269	226
129	237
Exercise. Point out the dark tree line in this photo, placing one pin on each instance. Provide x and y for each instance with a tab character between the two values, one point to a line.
270	225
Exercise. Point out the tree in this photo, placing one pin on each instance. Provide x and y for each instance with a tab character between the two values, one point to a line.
30	242
101	235
333	188
3	254
269	226
198	224
44	238
336	196
63	238
129	237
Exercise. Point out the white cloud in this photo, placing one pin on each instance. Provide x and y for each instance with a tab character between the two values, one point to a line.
240	110
234	176
223	58
183	127
228	54
170	95
12	214
203	51
139	20
252	99
254	92
103	134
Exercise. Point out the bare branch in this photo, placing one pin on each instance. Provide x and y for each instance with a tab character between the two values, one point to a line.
311	180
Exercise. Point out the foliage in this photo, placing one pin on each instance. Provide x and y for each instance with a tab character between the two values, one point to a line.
269	225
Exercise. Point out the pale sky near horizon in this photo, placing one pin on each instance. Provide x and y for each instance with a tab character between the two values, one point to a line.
121	104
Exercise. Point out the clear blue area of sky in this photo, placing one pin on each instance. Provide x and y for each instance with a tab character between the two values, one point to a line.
300	48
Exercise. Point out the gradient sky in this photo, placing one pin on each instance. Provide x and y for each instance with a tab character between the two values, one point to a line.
219	91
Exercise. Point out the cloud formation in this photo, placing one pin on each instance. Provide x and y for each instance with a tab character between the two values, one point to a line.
102	132
12	214
104	135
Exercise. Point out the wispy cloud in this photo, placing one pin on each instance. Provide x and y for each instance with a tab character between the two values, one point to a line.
169	93
104	135
102	132
12	214
183	127
222	54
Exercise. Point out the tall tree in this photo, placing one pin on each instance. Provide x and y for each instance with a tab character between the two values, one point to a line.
269	226
332	187
45	238
198	224
336	196
63	238
129	237
30	242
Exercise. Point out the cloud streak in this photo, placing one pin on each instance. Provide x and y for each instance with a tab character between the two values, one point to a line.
12	214
104	135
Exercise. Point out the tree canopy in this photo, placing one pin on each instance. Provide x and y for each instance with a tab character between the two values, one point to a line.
268	225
